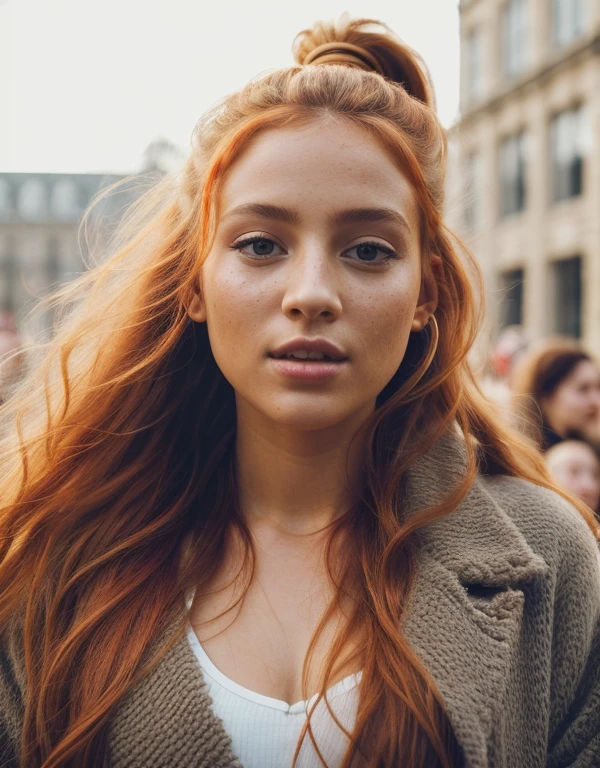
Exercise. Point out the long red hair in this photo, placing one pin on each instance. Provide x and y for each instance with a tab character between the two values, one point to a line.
118	489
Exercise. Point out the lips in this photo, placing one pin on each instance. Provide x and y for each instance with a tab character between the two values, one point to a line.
309	351
303	356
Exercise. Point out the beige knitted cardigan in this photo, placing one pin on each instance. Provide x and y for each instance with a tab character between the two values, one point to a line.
504	614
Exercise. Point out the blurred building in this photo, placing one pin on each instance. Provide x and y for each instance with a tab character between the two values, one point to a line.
39	216
524	182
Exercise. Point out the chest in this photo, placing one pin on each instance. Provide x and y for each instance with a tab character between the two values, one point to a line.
260	637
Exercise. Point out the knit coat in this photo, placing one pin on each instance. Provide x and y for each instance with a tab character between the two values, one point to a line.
505	615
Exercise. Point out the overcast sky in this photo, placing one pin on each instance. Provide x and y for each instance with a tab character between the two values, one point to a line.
86	85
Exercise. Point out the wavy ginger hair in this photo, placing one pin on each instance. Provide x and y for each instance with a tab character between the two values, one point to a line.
115	502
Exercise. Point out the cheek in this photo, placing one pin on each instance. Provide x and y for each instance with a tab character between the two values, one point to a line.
572	400
386	317
233	312
564	402
382	326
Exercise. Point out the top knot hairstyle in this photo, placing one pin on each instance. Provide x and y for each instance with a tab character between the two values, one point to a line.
369	45
117	485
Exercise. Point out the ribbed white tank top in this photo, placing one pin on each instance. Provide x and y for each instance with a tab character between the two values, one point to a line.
265	731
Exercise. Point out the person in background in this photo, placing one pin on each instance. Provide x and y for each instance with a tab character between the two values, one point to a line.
576	467
512	343
556	393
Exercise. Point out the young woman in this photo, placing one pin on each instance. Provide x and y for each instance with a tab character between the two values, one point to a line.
254	510
556	393
575	467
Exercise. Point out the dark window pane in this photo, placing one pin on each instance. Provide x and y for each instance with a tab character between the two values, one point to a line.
511	297
513	188
52	260
11	275
567	153
567	296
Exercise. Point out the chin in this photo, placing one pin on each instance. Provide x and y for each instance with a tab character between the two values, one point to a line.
311	413
307	419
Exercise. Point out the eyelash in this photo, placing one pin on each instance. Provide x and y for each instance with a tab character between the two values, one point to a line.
390	253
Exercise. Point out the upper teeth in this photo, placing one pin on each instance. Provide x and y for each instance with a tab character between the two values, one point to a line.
302	354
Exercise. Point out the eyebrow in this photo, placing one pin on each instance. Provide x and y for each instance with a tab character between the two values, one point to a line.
350	216
264	211
370	215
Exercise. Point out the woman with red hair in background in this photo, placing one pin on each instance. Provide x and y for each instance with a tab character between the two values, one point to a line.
556	393
254	510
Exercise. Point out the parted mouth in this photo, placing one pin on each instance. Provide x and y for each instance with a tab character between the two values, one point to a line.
309	349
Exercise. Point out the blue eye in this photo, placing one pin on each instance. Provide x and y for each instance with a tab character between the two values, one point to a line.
368	253
258	248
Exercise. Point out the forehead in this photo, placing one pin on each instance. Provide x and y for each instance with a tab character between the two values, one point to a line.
576	455
324	165
585	370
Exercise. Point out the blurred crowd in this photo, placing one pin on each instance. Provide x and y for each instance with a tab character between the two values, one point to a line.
550	392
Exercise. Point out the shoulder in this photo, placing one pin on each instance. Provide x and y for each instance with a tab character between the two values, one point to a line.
558	534
551	526
569	602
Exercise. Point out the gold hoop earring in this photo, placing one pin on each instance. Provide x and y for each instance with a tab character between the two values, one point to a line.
433	341
403	387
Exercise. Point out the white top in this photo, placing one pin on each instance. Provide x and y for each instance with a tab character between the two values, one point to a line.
265	731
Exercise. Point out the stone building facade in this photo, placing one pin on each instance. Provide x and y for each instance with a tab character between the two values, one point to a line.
39	249
524	182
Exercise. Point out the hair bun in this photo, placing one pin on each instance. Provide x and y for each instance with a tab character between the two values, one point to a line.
369	45
336	53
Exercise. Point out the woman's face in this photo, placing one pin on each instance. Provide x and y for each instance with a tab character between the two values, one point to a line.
576	468
317	244
575	403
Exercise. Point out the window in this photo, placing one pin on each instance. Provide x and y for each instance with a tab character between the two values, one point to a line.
473	176
567	21
52	261
10	275
512	174
566	308
514	37
568	142
511	297
474	65
5	197
65	203
32	199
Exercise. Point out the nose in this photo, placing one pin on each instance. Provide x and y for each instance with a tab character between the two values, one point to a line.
312	287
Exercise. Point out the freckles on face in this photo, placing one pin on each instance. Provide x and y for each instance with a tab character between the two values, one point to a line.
318	239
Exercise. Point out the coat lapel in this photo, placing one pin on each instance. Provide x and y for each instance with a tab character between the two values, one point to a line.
166	721
467	636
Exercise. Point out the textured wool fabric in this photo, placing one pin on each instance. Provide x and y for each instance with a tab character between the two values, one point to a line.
505	614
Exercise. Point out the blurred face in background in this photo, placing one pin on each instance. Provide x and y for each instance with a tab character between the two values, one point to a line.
575	467
574	406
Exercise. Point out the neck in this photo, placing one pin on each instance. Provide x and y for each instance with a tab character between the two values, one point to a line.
297	482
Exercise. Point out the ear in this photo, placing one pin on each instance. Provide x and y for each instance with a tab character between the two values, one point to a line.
195	305
428	296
